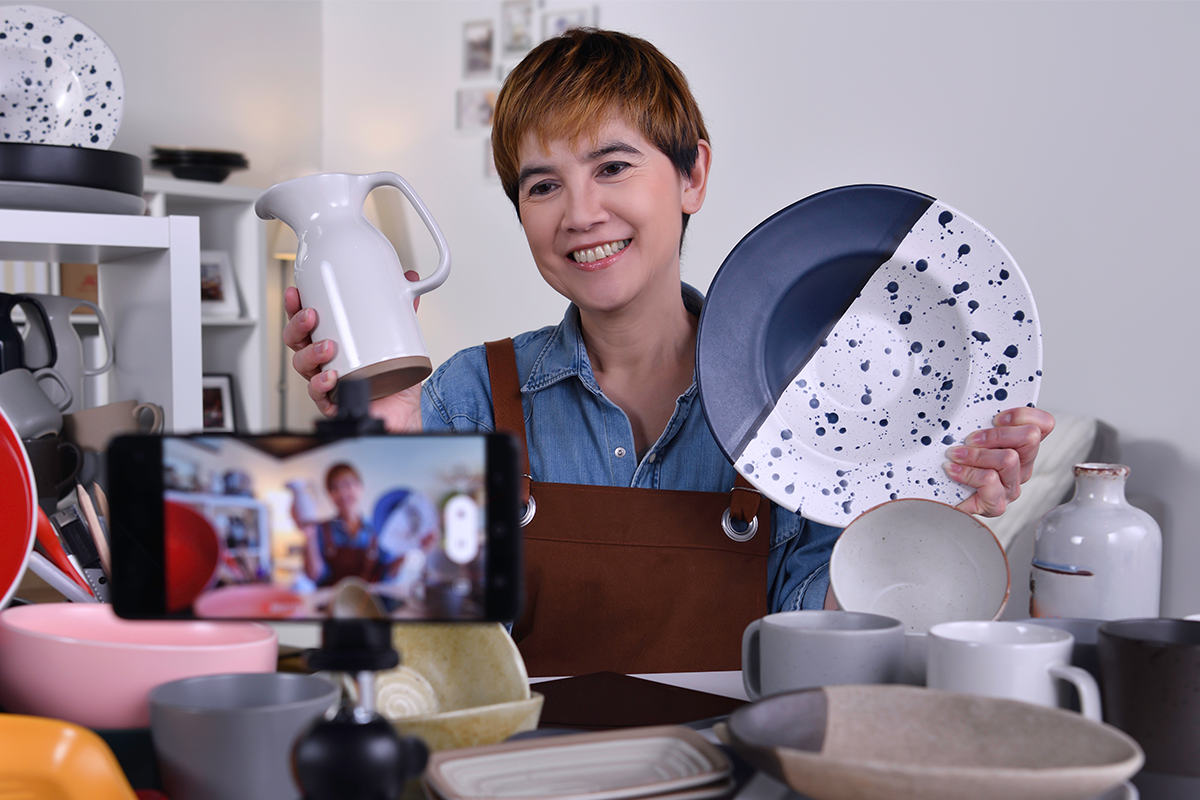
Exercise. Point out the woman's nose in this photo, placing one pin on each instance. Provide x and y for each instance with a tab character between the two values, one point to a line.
583	209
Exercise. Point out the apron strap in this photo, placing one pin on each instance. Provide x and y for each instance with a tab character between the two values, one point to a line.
507	409
743	500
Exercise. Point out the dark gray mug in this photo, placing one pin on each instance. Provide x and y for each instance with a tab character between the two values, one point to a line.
1149	671
56	464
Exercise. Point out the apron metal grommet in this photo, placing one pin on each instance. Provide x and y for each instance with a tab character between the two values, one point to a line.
727	526
531	509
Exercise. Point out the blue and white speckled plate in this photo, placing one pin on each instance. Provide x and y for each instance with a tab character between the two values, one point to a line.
59	82
850	339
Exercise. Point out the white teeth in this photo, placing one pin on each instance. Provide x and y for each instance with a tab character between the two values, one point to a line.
603	251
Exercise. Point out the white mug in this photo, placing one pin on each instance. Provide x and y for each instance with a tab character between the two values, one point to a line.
1014	660
802	649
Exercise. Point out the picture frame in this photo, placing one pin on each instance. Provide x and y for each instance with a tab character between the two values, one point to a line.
218	286
478	39
475	108
218	409
516	18
558	22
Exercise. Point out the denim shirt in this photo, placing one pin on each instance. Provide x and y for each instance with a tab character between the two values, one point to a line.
577	435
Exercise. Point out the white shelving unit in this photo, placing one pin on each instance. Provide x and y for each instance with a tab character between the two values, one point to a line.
148	277
227	222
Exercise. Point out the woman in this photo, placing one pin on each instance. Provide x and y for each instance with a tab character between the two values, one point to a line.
347	545
600	146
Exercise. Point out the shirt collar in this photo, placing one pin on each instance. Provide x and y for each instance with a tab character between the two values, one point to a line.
564	355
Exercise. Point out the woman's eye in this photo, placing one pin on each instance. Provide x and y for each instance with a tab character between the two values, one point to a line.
613	168
540	188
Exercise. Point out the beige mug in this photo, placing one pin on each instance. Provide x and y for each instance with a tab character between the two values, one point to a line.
93	428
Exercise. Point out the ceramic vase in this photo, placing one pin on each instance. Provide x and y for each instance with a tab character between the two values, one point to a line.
1097	556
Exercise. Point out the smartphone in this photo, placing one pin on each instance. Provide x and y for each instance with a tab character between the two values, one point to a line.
307	527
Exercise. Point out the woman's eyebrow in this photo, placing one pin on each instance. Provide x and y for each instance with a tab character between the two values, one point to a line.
529	172
610	148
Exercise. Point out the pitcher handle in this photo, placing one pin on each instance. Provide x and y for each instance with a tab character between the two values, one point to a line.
23	299
108	340
443	269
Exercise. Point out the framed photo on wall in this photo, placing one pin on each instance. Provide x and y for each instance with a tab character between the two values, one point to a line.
218	285
478	38
217	407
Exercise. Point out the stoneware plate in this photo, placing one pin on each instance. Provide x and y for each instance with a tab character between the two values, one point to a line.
907	743
18	498
851	338
61	83
921	562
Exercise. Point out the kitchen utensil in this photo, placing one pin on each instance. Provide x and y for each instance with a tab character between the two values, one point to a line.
93	428
192	553
49	544
922	562
1008	659
907	743
1148	670
94	528
62	76
12	345
56	463
18	498
56	760
81	663
31	411
348	272
58	580
478	679
609	765
52	333
76	536
849	339
800	649
231	736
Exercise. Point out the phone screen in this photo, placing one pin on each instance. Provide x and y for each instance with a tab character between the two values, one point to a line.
299	527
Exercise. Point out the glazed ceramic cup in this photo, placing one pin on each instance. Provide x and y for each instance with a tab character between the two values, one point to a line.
93	428
27	406
1148	669
56	464
802	649
231	736
1012	660
1083	655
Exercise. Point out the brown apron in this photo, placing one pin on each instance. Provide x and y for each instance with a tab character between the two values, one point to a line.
344	562
631	580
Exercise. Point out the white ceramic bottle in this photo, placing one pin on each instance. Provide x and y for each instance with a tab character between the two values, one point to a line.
1097	556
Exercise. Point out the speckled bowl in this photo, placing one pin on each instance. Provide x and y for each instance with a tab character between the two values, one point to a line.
921	562
477	680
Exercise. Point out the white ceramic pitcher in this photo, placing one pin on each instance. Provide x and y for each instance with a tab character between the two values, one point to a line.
349	273
70	365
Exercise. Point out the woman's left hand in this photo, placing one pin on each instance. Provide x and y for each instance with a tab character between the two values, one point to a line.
997	460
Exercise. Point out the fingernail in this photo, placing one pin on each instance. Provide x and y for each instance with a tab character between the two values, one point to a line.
958	453
1004	419
322	348
976	437
952	468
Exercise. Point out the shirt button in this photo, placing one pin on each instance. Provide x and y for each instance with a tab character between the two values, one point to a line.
650	458
619	452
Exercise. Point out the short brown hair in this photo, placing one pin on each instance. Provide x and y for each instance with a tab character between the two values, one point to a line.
338	470
565	84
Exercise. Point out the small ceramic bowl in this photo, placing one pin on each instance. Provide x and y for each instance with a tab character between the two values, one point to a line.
83	664
921	562
466	683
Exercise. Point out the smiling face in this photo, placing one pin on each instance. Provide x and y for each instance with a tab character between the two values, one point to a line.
604	215
346	490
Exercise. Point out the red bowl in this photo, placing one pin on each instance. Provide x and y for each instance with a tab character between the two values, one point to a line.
18	498
193	551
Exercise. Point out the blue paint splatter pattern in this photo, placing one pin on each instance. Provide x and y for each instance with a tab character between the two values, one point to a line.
943	337
61	83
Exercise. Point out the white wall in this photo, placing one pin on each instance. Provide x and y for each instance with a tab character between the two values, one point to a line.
1069	129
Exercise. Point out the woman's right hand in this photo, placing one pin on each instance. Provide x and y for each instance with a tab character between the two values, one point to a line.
400	412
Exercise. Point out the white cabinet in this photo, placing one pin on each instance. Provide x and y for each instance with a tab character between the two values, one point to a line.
148	277
227	223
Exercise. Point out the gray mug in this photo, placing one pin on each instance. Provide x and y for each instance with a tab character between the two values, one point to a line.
802	649
27	405
230	736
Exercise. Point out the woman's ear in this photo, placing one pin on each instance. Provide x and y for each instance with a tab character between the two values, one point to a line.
695	185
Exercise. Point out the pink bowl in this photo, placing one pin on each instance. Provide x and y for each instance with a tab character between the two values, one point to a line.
83	664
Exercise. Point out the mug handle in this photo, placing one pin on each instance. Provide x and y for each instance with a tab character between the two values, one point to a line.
27	299
1085	684
155	409
68	395
108	340
751	668
440	274
70	479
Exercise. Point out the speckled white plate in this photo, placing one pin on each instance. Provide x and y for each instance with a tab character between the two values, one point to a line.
912	327
59	82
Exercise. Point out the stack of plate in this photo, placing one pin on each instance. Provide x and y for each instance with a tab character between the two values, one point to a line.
198	165
63	95
658	762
